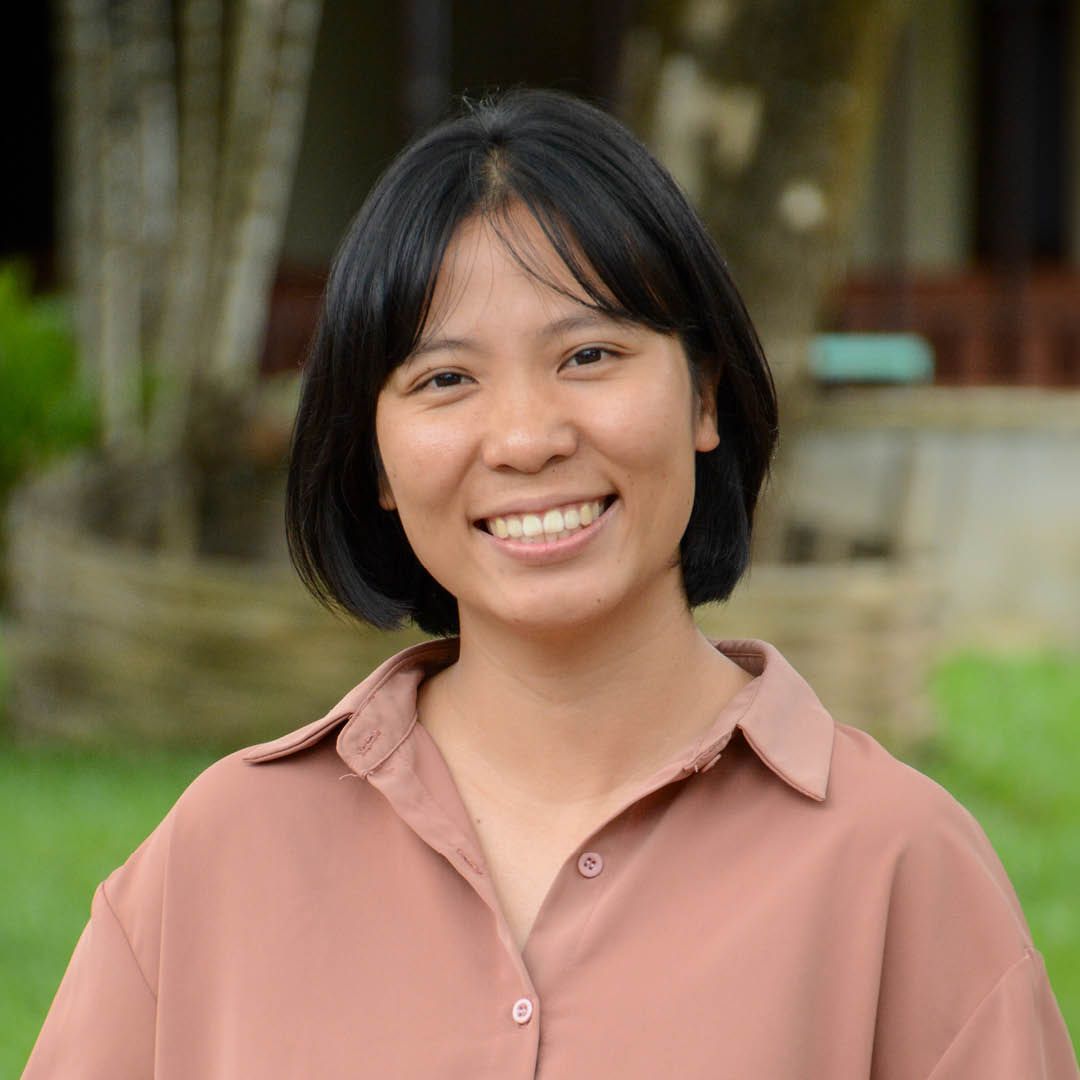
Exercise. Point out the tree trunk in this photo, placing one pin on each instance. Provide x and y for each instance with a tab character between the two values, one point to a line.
83	34
185	294
121	307
274	57
157	134
763	110
174	210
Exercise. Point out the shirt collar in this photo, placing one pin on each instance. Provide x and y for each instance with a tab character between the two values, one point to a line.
778	713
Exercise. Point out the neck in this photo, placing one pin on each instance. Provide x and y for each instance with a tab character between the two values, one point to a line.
568	720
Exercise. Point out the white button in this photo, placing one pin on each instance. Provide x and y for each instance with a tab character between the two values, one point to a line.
522	1011
590	863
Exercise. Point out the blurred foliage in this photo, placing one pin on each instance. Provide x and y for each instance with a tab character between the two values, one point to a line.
43	408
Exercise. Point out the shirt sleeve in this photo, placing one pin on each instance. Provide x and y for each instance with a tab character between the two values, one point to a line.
963	992
101	1023
1016	1030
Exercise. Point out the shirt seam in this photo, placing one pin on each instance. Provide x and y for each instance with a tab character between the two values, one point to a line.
127	941
1029	954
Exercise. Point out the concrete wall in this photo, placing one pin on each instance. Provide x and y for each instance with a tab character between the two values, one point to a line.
982	483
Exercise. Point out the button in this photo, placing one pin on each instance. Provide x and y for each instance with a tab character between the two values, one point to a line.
590	863
522	1011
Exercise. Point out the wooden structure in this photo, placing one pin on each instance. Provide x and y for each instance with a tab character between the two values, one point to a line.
115	644
985	328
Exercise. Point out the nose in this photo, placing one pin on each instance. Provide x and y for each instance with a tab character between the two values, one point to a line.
528	427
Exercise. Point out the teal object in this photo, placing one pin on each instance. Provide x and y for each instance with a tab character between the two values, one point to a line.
879	358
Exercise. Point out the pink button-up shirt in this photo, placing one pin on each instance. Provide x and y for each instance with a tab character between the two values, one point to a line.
783	899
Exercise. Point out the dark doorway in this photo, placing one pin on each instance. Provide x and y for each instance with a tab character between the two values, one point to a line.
1023	129
26	83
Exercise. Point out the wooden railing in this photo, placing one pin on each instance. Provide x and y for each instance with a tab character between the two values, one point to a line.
986	329
294	311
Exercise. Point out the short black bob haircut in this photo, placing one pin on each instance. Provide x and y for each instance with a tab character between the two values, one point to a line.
636	249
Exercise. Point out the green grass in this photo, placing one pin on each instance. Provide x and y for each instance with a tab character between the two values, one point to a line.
1008	750
69	819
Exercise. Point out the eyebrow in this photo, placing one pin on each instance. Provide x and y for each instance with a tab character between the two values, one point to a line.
568	324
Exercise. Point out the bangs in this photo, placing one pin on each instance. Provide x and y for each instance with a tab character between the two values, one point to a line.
616	271
602	227
552	255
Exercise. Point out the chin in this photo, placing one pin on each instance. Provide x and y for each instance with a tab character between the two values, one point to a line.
553	613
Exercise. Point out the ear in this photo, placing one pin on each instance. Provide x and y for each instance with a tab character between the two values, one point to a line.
706	434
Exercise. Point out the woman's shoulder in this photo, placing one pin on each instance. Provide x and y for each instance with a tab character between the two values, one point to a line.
293	785
927	840
264	782
956	956
255	795
889	797
865	775
284	767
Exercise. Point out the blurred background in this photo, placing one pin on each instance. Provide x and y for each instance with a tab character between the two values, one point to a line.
895	186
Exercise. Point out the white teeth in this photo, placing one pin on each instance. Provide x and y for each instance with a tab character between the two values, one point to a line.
553	522
552	525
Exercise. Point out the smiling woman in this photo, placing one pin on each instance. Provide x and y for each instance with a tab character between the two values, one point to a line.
559	211
582	840
529	404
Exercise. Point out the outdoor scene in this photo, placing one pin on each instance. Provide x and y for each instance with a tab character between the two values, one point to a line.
894	184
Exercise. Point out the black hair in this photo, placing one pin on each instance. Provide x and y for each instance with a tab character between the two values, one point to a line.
635	247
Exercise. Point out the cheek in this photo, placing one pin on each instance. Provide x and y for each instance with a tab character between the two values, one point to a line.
650	430
421	461
410	453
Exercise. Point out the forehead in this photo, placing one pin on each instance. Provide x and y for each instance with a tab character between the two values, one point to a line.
502	265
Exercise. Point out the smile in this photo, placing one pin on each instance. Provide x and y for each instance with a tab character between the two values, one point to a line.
544	526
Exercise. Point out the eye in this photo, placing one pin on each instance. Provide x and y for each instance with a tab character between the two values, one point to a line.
442	380
590	355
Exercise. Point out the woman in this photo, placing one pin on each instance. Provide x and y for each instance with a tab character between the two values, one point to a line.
578	839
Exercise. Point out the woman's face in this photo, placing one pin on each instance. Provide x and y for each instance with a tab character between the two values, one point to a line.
522	414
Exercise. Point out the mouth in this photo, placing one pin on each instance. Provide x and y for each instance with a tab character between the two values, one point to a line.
544	526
